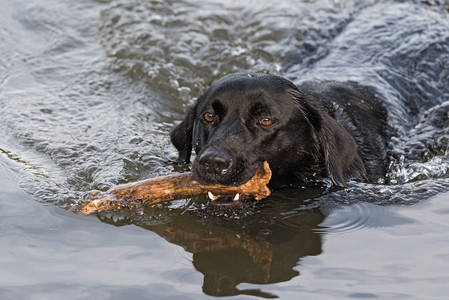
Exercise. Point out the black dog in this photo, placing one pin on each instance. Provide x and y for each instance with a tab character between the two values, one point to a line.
326	129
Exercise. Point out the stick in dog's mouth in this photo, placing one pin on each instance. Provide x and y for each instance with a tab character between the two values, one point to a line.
173	187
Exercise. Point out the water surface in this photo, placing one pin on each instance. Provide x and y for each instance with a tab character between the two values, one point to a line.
89	91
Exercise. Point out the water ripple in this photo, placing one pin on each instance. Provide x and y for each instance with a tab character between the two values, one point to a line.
360	216
182	47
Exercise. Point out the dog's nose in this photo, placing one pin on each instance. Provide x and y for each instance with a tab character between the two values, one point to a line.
217	161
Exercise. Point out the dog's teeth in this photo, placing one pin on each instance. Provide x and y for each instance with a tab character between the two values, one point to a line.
236	197
212	196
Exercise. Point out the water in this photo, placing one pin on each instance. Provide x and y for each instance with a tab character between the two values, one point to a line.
89	91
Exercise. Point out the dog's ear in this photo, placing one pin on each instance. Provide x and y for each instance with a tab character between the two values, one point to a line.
182	136
340	152
338	146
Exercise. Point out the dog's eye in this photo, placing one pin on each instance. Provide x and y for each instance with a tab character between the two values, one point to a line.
208	117
265	121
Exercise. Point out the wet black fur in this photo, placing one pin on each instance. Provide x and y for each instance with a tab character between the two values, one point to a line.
326	129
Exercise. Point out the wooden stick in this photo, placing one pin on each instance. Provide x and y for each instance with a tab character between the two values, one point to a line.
167	188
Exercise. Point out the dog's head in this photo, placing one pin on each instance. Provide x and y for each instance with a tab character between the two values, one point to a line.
245	119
